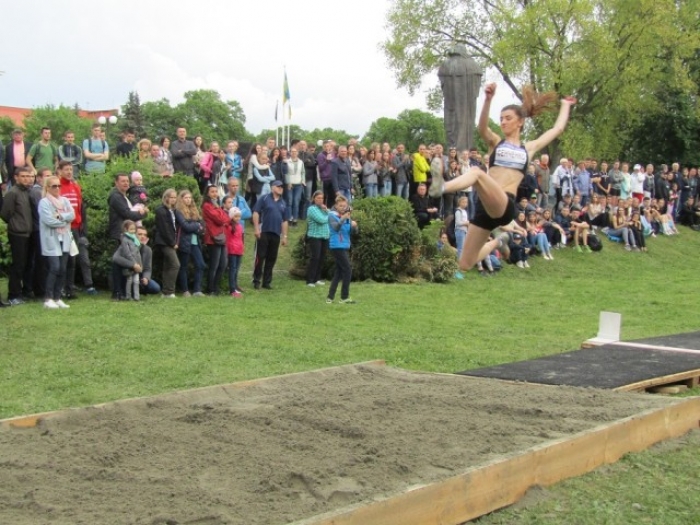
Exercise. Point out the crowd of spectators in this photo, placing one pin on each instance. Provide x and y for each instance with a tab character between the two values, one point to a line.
276	187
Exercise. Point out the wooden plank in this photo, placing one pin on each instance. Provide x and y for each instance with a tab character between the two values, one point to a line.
33	420
657	381
500	483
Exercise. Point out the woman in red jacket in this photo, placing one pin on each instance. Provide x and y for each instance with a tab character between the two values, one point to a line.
215	220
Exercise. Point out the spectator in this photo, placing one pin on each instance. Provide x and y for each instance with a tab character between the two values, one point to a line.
119	211
370	180
402	164
637	182
163	158
295	180
317	235
16	155
262	177
96	152
137	194
148	285
580	230
421	168
234	186
55	216
308	157
189	243
543	175
128	258
270	227
183	152
71	152
537	237
637	229
690	214
341	226
235	249
461	223
422	208
324	160
17	213
71	190
125	148
34	282
215	222
43	154
601	181
234	162
518	252
341	177
167	241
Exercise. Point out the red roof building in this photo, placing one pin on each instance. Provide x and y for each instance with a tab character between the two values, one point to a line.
19	114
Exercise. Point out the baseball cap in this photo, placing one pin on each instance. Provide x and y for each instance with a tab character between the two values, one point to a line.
517	237
276	183
637	166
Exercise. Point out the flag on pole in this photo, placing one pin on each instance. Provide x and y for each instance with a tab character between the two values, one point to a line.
289	110
285	90
276	108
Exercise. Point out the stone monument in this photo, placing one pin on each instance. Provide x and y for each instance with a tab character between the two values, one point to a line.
460	80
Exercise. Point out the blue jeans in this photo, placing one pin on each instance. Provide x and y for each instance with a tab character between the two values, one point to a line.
386	189
460	235
540	240
402	190
198	261
152	288
293	200
371	189
471	197
234	263
56	275
217	265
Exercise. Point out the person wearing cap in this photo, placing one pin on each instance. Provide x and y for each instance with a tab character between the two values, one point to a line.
637	182
518	252
270	228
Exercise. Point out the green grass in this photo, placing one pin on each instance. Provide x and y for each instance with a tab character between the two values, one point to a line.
99	351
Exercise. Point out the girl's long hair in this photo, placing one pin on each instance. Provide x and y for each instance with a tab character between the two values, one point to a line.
534	103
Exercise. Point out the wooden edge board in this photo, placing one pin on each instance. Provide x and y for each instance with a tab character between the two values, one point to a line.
662	380
33	420
502	482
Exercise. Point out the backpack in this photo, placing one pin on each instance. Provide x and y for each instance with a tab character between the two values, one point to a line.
104	147
594	242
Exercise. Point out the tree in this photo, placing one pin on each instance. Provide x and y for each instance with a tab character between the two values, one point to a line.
606	52
132	115
59	119
7	125
338	135
411	128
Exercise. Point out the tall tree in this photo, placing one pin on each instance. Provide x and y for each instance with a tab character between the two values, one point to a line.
606	52
132	115
411	128
60	119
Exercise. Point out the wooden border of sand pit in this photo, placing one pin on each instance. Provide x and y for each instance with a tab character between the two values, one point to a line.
489	487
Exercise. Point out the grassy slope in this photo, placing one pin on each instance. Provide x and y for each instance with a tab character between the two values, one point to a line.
99	351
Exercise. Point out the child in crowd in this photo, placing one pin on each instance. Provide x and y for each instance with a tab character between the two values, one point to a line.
518	252
235	248
444	246
137	194
128	257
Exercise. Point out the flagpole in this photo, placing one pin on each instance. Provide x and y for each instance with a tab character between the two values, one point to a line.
277	126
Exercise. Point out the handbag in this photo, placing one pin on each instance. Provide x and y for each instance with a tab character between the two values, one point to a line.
73	250
219	239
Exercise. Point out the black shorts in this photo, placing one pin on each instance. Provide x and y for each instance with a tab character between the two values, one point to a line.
483	220
614	192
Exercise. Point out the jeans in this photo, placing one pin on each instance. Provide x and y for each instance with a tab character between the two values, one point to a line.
371	189
540	240
317	247
402	190
293	200
151	288
56	275
460	235
234	263
343	271
118	284
171	267
386	189
266	250
198	262
217	265
471	210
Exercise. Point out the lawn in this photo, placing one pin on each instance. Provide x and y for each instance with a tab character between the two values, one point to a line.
99	351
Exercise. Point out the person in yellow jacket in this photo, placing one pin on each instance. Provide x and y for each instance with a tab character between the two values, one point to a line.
421	167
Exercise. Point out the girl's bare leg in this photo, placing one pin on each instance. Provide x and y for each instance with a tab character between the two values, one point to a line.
476	247
491	194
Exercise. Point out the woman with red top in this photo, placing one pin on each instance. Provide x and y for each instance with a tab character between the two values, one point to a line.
215	220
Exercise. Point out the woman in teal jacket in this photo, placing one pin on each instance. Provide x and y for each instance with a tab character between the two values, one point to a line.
341	226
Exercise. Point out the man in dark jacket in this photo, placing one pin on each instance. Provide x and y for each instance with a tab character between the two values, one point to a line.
120	211
341	178
183	152
167	241
17	213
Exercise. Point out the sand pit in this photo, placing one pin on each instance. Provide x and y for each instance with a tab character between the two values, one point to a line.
281	450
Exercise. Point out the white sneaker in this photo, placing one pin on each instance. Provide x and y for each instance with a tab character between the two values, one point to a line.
61	304
526	264
311	285
320	283
551	257
168	296
520	264
51	304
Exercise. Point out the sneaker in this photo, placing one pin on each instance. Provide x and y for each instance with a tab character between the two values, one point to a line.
91	291
168	296
198	294
520	264
186	294
329	301
526	264
16	301
320	283
51	304
256	286
347	301
628	247
459	275
311	285
550	256
236	294
587	248
635	248
579	249
61	304
239	291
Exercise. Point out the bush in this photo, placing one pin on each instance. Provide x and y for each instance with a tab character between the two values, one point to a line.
387	247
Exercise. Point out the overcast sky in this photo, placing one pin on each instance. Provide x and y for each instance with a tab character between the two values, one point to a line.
94	53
